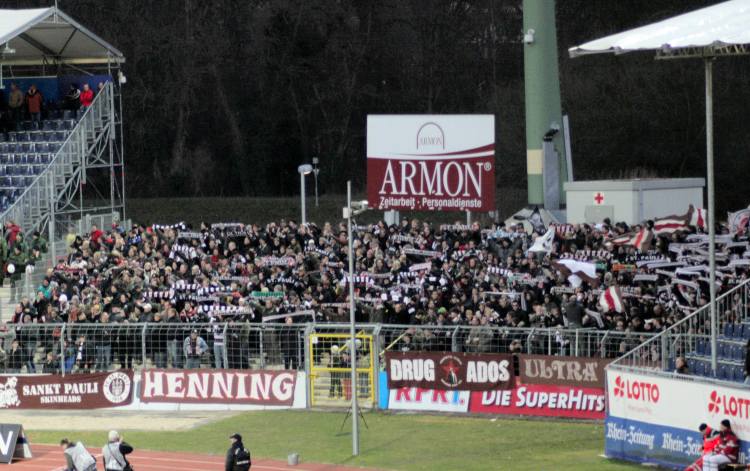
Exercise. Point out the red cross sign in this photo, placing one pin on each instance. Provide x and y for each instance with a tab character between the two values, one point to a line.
598	198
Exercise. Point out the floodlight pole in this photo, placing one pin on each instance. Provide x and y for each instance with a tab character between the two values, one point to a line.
352	330
711	203
302	196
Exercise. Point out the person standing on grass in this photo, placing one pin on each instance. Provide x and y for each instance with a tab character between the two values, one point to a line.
238	457
113	453
77	458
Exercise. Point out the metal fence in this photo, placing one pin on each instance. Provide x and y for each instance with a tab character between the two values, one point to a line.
74	347
690	339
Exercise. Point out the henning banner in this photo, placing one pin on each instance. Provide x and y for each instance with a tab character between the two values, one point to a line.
431	162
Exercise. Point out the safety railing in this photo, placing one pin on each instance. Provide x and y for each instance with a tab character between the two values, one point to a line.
74	347
690	340
32	210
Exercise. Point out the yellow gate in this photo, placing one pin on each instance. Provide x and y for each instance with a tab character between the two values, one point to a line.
330	370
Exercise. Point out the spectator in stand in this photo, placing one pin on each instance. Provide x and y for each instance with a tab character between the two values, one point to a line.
72	98
83	354
681	366
725	451
104	334
15	357
34	102
15	104
87	96
194	347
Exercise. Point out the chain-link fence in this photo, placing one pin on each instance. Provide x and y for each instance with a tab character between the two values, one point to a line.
74	347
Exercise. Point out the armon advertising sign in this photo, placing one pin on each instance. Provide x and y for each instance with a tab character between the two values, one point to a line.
431	162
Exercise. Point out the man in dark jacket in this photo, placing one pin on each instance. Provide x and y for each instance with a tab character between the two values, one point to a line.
238	457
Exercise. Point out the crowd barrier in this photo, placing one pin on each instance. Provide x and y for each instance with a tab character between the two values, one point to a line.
172	365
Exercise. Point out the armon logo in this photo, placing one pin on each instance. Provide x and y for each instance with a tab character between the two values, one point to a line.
636	390
727	404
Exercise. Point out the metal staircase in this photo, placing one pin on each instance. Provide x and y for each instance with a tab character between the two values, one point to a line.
82	177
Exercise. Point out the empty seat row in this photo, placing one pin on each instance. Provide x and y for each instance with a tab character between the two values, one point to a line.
22	170
724	371
16	182
737	331
27	147
24	159
34	136
730	350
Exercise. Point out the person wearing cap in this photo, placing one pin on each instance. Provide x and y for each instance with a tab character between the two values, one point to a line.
710	440
725	451
113	453
238	457
193	347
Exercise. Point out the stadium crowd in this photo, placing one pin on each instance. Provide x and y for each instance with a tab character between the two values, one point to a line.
605	276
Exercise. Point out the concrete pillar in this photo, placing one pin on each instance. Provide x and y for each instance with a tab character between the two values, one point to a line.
542	92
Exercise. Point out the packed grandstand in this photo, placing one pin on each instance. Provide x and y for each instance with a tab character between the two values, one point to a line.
498	283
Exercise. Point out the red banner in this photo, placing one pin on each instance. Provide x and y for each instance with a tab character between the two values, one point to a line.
449	371
541	400
272	388
73	391
431	162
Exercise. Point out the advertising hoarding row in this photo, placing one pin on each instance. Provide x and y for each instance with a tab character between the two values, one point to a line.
653	419
431	162
153	389
546	386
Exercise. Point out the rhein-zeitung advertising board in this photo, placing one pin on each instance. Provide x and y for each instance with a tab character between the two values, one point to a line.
431	162
449	371
76	391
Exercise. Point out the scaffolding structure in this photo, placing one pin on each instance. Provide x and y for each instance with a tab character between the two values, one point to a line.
86	175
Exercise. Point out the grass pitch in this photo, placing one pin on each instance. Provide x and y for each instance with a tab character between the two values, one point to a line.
394	442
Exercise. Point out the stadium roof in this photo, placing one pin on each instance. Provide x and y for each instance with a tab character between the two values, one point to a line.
48	36
722	29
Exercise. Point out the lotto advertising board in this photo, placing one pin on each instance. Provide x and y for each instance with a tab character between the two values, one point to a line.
569	387
653	419
431	162
75	391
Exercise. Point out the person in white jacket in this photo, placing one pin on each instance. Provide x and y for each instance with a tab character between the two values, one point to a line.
113	453
77	458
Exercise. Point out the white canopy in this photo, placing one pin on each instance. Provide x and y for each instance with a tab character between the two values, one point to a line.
47	35
725	24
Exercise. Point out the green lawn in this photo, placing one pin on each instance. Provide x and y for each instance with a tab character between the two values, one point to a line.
399	442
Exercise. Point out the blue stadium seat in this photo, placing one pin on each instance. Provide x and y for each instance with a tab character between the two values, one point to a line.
728	330
739	331
67	114
37	136
42	147
22	137
59	136
12	136
700	347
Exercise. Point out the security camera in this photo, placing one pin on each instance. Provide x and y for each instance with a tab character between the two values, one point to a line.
528	38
